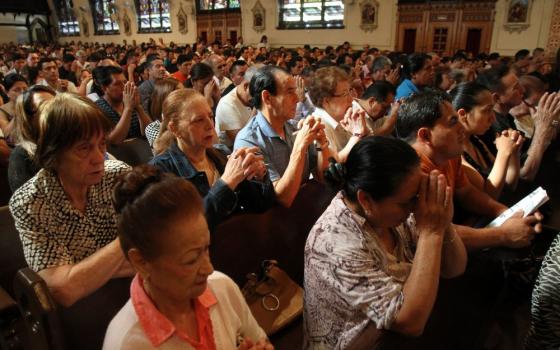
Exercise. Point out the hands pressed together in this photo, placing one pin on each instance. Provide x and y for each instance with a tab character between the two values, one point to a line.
131	96
354	122
434	209
509	141
244	163
310	129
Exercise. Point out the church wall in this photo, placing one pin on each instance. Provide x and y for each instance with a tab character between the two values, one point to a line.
174	36
383	37
508	43
16	34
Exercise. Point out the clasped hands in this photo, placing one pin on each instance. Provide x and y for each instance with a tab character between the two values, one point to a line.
245	163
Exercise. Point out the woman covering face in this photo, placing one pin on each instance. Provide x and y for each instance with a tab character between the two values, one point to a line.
177	299
332	94
367	235
14	85
21	167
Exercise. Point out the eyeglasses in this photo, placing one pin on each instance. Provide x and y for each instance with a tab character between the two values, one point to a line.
346	93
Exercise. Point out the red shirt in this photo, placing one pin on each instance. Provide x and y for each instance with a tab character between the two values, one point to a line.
158	328
179	76
453	170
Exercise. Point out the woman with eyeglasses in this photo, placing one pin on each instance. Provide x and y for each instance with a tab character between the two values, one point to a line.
15	85
64	214
332	95
21	167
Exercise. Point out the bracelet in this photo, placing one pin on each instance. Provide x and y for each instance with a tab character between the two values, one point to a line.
358	135
449	241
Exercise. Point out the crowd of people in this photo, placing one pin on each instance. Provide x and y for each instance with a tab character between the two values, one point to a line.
420	147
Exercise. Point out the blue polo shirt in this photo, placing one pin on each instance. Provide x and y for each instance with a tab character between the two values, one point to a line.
406	88
276	151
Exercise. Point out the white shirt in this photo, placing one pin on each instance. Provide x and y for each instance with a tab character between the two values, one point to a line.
231	114
337	136
230	317
71	87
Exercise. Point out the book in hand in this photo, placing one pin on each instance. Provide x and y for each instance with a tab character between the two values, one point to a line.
528	204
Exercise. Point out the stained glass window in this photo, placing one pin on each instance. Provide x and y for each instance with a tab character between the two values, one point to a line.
217	5
67	23
105	17
308	14
153	16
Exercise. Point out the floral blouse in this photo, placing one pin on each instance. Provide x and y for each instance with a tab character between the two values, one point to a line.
350	279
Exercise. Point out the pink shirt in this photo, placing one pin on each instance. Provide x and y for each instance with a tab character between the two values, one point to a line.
158	328
222	316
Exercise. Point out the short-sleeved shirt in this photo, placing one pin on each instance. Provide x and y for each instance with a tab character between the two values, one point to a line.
276	151
145	90
350	278
221	311
114	117
453	171
55	233
231	114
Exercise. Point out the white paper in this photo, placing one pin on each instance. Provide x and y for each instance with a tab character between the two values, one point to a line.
528	204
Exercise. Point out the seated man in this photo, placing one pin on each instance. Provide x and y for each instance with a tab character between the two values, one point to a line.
289	155
430	124
234	111
376	102
49	72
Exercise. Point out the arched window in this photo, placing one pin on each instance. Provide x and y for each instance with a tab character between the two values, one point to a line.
67	23
217	5
104	15
309	14
153	16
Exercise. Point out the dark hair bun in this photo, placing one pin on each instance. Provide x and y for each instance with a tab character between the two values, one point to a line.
133	184
335	174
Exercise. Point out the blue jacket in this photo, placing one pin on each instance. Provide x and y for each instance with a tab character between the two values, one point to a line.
220	201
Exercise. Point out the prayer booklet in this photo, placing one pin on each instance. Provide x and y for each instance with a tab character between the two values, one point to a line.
528	204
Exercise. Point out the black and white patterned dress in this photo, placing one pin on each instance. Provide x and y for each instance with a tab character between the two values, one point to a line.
350	279
545	305
52	231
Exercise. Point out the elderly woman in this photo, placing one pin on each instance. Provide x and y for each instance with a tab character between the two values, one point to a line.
362	274
475	107
15	85
228	184
177	300
21	167
331	94
121	104
64	214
